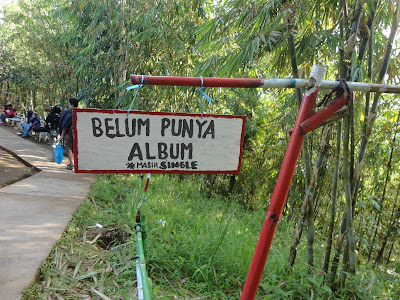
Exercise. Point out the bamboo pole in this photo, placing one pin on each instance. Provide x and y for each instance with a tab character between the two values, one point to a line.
347	189
277	83
333	198
391	229
307	206
387	179
288	20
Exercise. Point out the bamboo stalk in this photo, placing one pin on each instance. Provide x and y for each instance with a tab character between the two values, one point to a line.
295	70
373	113
347	189
308	201
333	198
390	229
387	179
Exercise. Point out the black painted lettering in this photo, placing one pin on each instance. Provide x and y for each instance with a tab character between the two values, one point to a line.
162	151
96	127
174	164
176	131
135	152
187	128
171	151
200	124
133	127
109	128
117	133
185	148
145	123
165	122
163	165
210	130
194	165
148	156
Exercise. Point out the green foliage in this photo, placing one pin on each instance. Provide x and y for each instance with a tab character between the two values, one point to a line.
51	50
196	247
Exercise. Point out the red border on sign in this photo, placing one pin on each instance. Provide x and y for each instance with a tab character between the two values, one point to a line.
139	112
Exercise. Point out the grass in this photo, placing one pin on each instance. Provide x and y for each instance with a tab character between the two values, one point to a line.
197	248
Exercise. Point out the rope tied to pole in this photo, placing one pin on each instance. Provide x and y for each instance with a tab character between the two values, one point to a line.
210	100
341	89
137	87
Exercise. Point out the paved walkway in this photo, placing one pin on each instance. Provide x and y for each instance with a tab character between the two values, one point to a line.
33	213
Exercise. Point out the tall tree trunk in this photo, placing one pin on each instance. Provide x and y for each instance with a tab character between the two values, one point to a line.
391	228
122	51
365	32
346	182
288	20
114	73
307	203
338	249
391	249
370	122
333	198
348	134
351	40
33	99
373	112
387	179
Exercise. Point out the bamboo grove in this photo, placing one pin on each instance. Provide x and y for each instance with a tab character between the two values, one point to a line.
346	189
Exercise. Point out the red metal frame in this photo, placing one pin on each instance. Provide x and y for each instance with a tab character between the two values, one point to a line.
279	196
304	123
316	119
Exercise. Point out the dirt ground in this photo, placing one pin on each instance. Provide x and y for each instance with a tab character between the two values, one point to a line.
12	169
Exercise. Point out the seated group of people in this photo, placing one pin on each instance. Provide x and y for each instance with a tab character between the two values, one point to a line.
7	112
33	122
58	126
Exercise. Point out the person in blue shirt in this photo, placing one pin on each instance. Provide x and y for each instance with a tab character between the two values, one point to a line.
22	125
33	123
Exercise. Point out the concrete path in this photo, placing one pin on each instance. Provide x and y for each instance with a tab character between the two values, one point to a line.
34	213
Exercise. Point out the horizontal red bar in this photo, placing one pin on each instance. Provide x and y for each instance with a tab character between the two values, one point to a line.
196	81
277	83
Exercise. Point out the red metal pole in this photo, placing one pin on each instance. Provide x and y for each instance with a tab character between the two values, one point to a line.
147	182
264	83
316	119
281	188
196	81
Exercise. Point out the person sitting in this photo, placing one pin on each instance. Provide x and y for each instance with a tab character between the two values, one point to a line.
22	125
2	112
34	123
9	113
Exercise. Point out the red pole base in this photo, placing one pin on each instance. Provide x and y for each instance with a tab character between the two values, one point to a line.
281	189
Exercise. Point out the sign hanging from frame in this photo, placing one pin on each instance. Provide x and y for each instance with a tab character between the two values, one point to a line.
110	141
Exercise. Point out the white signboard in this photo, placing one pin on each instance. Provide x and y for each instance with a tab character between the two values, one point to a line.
110	141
